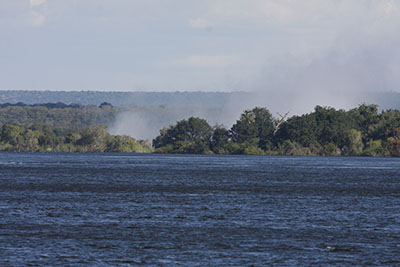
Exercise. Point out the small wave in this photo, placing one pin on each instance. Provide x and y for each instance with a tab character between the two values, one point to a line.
341	249
10	163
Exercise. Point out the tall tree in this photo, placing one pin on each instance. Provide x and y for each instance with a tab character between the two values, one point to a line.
257	123
187	136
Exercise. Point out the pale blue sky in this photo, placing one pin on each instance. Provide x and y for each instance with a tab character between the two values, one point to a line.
205	45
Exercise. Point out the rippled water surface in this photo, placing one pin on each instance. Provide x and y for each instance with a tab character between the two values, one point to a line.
130	209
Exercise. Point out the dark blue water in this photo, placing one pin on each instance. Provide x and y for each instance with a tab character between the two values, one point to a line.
129	209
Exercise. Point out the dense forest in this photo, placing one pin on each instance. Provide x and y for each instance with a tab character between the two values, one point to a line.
59	127
64	117
58	116
40	138
361	131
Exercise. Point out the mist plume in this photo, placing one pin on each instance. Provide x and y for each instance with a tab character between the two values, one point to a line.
338	59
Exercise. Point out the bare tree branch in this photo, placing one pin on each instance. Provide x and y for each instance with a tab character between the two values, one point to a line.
279	123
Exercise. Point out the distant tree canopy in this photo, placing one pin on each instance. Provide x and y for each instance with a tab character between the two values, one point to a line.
42	138
123	99
360	131
256	125
46	105
62	127
326	131
105	104
58	115
187	136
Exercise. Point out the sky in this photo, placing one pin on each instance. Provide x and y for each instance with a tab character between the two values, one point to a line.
315	47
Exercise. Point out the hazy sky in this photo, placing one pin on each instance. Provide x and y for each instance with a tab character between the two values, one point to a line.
206	45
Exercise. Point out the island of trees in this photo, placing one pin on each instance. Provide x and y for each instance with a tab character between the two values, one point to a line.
362	131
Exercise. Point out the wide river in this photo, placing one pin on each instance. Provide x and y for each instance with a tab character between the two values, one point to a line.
132	209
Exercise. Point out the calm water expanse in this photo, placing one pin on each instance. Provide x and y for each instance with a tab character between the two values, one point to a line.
129	209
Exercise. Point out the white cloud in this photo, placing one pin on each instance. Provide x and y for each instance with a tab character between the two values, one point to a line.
206	61
389	8
37	19
36	2
200	24
248	36
285	14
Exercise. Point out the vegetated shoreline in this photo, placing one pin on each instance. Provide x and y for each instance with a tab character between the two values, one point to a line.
361	131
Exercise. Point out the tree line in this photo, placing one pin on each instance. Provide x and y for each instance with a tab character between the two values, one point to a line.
58	116
41	138
123	99
362	131
326	131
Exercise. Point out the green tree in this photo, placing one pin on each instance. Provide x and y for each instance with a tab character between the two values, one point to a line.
12	134
187	136
375	148
94	138
220	141
394	143
299	129
394	146
47	139
255	123
366	117
353	143
30	141
293	148
330	149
